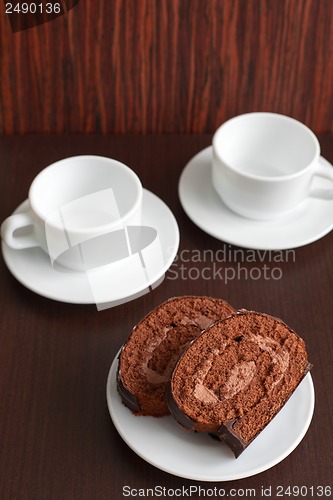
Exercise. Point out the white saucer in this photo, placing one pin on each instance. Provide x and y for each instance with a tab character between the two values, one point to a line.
33	269
312	220
164	444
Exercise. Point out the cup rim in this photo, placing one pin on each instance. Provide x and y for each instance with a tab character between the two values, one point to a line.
259	177
135	207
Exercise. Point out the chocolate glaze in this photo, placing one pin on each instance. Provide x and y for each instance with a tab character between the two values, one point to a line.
234	441
128	398
176	412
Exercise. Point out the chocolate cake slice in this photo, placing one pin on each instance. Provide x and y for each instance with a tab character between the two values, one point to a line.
236	376
148	357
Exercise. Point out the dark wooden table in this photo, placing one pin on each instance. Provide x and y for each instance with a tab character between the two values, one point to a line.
57	439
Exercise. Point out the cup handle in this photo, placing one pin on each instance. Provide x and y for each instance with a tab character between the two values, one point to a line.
326	172
14	222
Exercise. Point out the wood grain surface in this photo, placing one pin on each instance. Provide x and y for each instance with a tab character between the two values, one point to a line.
167	66
57	439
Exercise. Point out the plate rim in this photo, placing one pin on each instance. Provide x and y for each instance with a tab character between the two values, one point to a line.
111	382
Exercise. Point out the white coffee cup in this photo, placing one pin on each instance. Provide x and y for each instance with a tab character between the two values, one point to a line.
74	201
264	165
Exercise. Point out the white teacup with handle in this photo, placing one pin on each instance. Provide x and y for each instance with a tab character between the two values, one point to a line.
264	165
76	201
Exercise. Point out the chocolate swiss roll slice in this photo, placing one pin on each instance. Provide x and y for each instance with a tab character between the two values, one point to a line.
235	377
148	357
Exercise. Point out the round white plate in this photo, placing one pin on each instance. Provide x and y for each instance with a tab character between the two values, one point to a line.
32	267
312	220
164	444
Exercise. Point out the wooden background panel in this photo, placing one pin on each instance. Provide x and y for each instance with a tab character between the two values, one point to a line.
147	66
